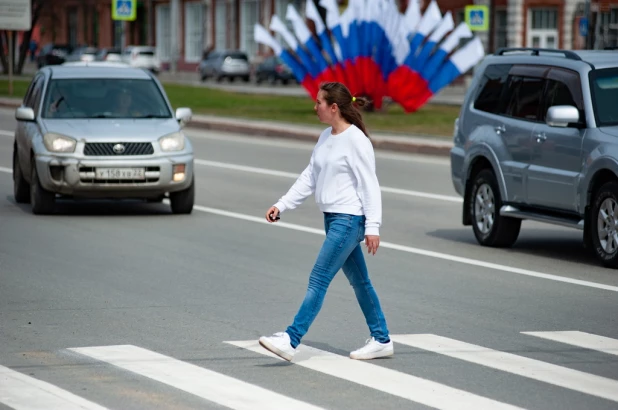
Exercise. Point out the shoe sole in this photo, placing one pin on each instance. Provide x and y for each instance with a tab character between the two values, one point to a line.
372	356
271	348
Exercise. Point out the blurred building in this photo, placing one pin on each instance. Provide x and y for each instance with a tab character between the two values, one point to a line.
203	25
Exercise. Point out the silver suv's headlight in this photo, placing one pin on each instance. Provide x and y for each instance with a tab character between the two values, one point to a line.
172	142
59	143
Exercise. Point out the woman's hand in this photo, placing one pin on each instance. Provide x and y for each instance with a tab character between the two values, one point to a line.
372	242
272	214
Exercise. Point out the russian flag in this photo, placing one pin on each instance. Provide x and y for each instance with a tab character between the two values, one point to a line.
336	24
405	80
279	26
311	11
261	35
429	70
459	63
444	27
325	74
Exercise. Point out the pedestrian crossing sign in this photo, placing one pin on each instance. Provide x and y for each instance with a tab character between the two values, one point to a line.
477	18
124	10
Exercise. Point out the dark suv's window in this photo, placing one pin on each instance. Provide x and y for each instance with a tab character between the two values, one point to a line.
604	86
524	97
492	88
563	87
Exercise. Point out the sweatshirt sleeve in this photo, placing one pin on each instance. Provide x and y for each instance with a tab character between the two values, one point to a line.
363	166
302	188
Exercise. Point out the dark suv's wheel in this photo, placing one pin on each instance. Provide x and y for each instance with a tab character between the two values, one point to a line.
603	224
489	227
182	201
21	188
42	201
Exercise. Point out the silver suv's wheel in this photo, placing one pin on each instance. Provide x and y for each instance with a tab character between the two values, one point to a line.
490	229
603	220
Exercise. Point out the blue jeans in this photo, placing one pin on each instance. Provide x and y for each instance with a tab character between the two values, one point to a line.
341	250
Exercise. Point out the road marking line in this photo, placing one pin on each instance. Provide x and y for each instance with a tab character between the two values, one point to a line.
7	133
408	249
215	387
417	251
518	365
580	339
291	175
393	382
22	392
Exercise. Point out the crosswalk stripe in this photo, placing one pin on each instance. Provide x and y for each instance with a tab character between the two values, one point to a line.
386	380
22	392
580	339
204	383
519	365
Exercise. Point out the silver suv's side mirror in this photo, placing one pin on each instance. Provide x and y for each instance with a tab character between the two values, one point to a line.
24	114
562	116
183	115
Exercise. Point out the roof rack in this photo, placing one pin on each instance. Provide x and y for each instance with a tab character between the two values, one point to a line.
535	51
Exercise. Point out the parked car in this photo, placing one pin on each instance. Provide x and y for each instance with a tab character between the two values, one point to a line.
83	53
109	54
93	131
273	69
537	139
142	57
53	54
229	64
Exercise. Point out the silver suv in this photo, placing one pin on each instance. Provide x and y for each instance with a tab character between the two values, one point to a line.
100	131
537	138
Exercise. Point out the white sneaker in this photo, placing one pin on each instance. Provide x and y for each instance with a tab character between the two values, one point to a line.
279	344
373	349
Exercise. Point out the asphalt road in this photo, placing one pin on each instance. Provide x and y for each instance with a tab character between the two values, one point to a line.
126	306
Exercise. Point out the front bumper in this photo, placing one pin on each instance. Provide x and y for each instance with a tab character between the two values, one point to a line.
75	176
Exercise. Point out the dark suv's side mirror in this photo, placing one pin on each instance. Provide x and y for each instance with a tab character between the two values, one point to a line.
562	116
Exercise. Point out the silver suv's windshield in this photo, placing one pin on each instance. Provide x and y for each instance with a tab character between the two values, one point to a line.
604	89
104	98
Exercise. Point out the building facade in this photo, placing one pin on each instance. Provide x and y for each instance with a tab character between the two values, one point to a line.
228	24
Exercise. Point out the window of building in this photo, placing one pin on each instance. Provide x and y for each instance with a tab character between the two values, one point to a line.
220	24
248	16
193	31
500	26
164	42
72	26
543	27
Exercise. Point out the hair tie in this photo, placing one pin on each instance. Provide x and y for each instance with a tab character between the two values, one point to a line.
353	99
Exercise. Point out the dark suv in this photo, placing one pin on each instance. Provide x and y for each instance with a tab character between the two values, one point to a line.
537	138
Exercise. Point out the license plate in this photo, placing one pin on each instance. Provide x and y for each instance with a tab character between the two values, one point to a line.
120	173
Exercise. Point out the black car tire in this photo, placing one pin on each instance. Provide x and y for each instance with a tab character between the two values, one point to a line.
246	78
501	231
606	195
284	82
182	201
21	188
43	202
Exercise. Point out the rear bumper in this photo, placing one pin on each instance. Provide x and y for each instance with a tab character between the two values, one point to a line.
76	176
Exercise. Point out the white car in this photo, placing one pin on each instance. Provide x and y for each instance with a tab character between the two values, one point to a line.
95	131
142	57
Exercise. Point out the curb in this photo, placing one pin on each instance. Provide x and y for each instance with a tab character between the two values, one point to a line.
397	144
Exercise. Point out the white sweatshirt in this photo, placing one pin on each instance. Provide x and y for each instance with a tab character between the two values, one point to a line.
342	175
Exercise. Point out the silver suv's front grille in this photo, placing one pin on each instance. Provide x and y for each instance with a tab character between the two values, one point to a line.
118	148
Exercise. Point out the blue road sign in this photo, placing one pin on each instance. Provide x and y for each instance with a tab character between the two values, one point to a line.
124	9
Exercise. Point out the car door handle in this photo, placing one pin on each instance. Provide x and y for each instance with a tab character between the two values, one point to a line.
500	129
541	137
